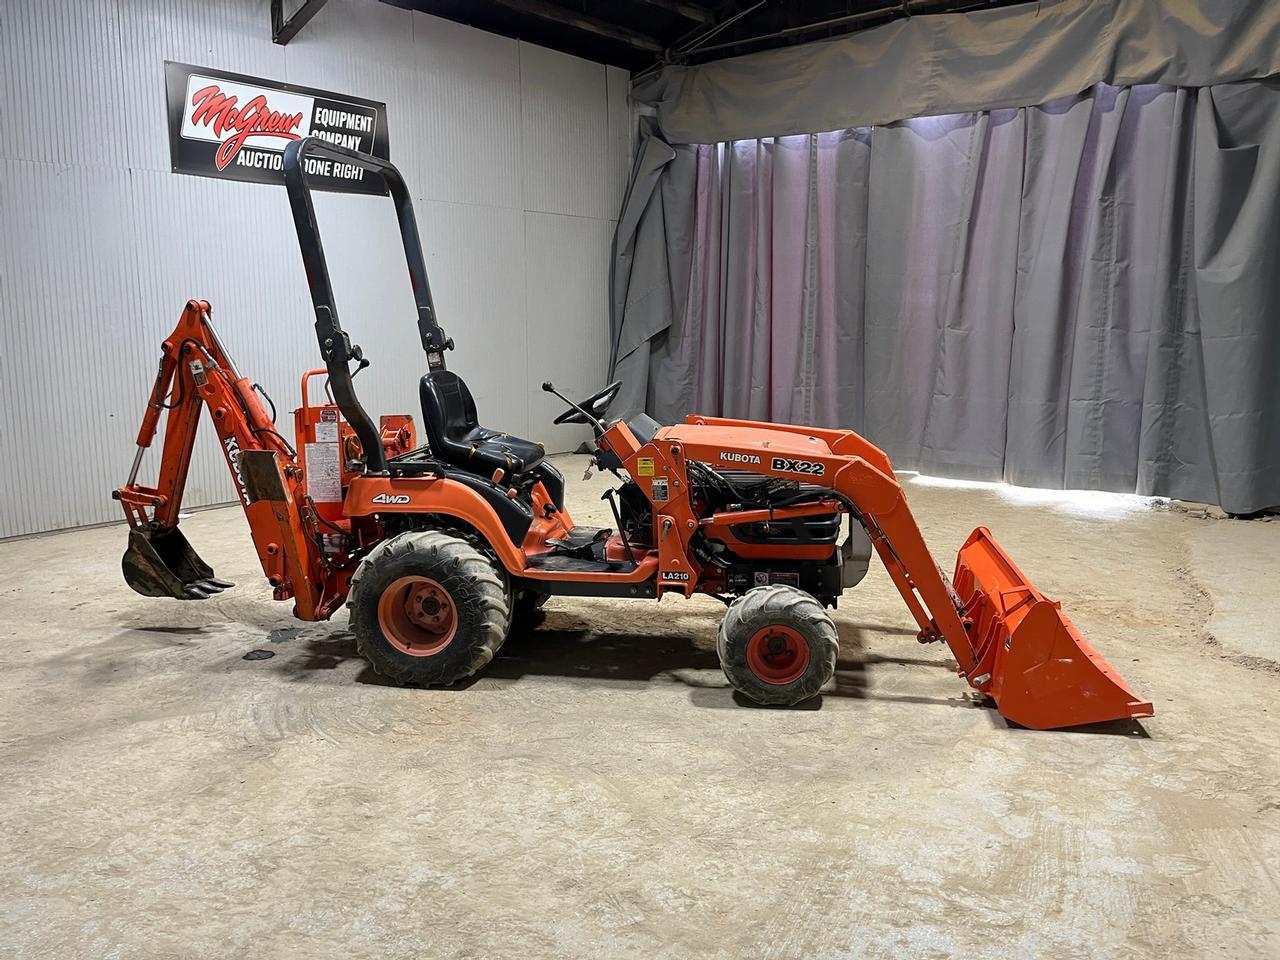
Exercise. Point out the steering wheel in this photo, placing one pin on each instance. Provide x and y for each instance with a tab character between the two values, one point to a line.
597	405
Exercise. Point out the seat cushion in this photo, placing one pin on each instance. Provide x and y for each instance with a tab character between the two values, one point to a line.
456	436
496	450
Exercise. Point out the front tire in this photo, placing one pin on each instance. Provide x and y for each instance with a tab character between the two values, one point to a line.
777	645
428	608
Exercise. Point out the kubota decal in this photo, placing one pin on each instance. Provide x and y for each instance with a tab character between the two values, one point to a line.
232	448
730	456
807	467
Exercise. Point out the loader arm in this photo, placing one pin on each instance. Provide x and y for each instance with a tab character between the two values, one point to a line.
196	373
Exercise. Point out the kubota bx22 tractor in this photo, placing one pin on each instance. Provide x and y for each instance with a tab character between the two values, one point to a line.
437	548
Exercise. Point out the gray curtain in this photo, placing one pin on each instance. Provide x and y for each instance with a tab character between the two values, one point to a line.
1081	294
933	64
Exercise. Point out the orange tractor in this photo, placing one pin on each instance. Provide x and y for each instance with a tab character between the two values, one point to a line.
438	548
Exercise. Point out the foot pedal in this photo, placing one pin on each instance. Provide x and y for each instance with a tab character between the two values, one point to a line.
580	542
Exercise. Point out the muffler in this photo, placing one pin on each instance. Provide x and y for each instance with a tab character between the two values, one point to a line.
1031	659
160	563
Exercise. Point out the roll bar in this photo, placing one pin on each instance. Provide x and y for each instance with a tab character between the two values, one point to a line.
335	344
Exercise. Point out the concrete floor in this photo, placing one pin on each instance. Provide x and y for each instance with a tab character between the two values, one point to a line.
598	792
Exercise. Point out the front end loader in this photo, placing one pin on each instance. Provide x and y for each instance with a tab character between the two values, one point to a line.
439	548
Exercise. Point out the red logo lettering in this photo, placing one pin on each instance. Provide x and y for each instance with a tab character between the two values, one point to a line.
237	124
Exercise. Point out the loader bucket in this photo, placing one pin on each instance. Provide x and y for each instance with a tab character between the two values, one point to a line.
160	563
1042	673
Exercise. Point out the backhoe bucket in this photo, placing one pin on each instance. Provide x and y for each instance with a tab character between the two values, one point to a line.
160	563
1042	673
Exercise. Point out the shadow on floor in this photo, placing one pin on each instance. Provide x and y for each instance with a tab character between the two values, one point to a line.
566	647
572	650
191	631
1110	728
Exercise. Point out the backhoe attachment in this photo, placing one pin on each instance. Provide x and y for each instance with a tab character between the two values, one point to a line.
195	374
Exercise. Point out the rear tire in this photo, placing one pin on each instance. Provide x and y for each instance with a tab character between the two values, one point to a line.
428	608
777	645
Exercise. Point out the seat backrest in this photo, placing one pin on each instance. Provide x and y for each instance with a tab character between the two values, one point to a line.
448	412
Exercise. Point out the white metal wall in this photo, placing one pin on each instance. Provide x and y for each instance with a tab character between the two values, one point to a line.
516	155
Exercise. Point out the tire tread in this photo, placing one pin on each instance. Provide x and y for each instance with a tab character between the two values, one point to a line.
466	571
774	604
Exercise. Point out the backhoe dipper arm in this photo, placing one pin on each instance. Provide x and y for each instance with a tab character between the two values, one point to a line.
335	345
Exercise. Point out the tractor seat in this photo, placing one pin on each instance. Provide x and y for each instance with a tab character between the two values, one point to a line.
456	437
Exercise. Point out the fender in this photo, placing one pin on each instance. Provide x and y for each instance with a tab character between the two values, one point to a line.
501	521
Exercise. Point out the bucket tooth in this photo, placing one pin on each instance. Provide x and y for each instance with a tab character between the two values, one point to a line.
1041	672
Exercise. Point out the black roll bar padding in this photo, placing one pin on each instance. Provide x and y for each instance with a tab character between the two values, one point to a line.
335	344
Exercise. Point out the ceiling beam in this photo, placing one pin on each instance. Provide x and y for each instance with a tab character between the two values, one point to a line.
282	30
580	21
689	11
896	8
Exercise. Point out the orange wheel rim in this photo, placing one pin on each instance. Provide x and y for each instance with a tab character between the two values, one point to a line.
417	616
778	655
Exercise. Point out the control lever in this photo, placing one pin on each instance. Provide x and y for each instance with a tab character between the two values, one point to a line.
610	495
358	356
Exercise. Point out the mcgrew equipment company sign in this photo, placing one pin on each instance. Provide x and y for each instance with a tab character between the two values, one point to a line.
234	127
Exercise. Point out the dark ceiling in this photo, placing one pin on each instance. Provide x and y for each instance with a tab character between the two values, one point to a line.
639	34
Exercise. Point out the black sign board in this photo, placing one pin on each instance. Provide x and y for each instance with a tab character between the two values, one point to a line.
233	127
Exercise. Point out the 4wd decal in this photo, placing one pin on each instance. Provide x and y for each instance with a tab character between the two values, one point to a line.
675	576
233	127
731	456
807	467
391	498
